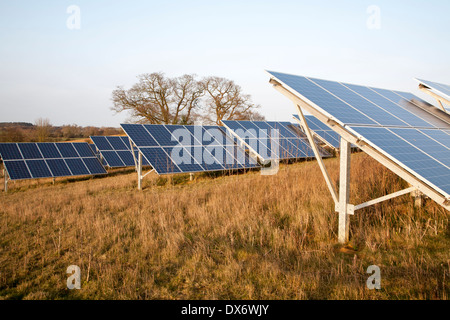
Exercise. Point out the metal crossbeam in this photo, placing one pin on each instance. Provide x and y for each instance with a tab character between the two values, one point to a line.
384	198
439	98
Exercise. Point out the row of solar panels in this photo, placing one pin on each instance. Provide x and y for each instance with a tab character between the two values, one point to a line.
167	148
44	160
393	122
289	143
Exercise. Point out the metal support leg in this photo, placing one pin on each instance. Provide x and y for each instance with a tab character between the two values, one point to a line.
140	172
134	156
418	198
5	176
344	191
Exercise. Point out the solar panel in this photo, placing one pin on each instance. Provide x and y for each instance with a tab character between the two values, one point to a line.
258	136
443	89
115	151
47	160
392	122
182	148
321	131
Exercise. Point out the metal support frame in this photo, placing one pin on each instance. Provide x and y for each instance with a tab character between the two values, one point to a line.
352	208
317	136
439	98
246	146
363	145
5	176
316	153
139	171
347	138
134	156
342	205
344	191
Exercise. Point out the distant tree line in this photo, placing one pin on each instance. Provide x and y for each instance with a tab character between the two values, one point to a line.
158	99
43	131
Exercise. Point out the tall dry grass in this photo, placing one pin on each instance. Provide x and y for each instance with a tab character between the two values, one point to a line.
236	236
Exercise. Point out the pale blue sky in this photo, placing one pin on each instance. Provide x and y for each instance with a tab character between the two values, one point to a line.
47	70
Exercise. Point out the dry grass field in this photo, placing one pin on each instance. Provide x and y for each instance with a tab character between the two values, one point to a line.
221	236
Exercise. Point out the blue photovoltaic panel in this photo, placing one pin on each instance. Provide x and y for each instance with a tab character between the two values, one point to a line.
10	151
370	103
115	151
127	158
67	150
414	105
425	144
214	157
393	103
83	150
189	149
94	165
49	150
126	141
58	167
181	135
30	151
419	143
101	143
117	143
343	102
214	136
17	169
257	135
38	168
330	103
139	135
439	135
405	152
113	159
77	167
439	87
162	135
160	160
188	164
46	160
315	124
322	131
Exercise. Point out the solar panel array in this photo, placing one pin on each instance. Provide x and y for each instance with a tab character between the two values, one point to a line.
258	135
438	87
322	131
47	160
115	151
388	120
177	148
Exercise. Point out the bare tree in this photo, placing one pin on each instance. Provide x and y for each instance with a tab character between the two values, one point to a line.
157	99
43	128
225	100
253	115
